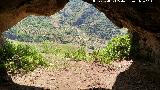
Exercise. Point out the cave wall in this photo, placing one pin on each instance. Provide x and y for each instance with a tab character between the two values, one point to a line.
129	14
142	19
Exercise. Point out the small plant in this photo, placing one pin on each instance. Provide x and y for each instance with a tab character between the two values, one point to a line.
118	48
79	54
19	57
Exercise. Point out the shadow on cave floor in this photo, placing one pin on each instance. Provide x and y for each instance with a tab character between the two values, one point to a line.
19	87
6	83
140	76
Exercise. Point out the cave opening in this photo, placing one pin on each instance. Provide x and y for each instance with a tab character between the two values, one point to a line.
81	25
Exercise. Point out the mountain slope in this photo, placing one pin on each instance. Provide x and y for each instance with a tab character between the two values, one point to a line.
78	23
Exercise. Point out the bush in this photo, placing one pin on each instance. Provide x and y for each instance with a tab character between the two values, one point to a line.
79	54
118	48
19	57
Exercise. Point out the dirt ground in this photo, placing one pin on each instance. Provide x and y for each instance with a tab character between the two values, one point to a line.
79	75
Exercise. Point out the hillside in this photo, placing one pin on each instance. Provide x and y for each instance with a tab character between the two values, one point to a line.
78	23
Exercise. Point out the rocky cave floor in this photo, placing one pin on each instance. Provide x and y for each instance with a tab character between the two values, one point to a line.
122	75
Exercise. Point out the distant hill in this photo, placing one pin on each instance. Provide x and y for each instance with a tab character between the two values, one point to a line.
78	23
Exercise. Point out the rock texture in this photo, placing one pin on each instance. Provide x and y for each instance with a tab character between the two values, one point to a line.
142	20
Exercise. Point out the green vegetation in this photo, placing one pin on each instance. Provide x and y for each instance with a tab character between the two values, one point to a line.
78	23
116	49
78	32
19	57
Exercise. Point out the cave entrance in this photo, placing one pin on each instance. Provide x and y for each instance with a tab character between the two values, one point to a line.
74	33
79	31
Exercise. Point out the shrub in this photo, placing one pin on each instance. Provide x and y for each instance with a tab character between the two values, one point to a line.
47	47
79	54
19	57
118	48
